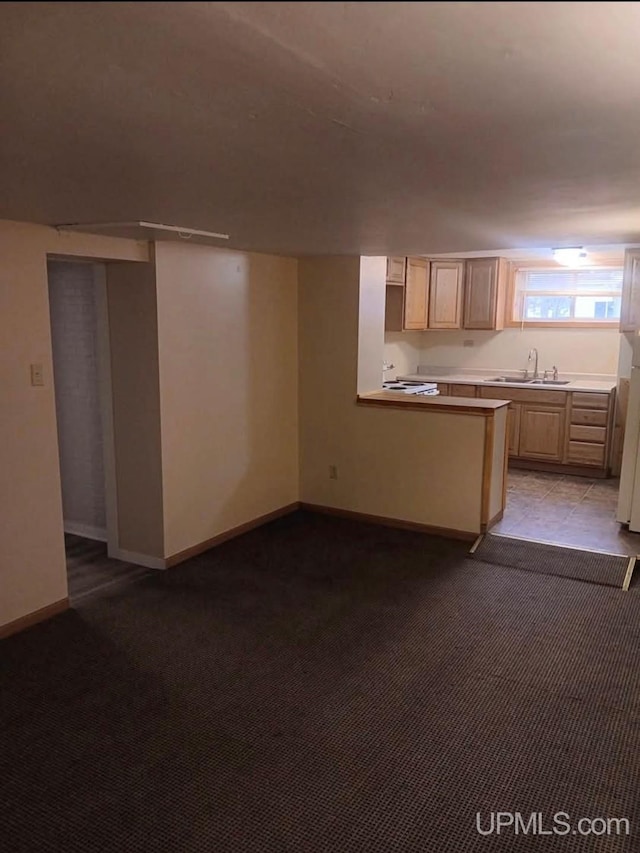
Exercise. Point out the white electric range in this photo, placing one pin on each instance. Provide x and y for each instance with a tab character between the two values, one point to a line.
405	386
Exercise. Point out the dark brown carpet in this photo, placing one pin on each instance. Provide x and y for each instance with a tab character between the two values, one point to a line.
321	686
588	566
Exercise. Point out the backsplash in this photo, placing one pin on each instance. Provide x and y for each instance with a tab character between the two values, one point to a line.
571	350
402	349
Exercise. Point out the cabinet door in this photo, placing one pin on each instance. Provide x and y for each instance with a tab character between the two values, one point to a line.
396	270
484	290
630	306
542	432
416	294
459	390
513	429
445	294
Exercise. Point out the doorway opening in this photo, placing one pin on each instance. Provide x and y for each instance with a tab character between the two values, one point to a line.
562	509
82	382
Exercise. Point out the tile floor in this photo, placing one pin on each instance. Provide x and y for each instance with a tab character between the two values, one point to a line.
566	510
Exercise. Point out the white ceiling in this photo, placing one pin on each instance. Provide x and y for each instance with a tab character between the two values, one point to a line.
327	127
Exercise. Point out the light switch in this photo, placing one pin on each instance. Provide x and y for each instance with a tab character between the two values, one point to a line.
37	374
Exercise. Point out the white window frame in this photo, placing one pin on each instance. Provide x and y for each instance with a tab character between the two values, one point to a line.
514	302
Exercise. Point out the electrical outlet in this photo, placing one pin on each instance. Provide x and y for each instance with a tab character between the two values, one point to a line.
468	343
37	374
333	472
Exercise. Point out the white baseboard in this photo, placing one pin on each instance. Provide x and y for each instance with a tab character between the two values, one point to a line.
86	530
138	559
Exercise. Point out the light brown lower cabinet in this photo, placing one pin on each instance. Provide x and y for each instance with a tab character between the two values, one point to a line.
542	430
557	426
461	390
590	429
456	389
586	453
588	417
597	434
513	428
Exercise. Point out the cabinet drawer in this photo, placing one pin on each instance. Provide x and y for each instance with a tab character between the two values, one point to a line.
524	395
588	416
462	390
443	388
586	454
586	400
596	434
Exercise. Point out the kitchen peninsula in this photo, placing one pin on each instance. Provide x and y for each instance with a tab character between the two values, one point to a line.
481	449
564	425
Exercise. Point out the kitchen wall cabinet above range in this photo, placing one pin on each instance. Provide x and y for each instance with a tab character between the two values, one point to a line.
430	299
407	308
445	294
396	270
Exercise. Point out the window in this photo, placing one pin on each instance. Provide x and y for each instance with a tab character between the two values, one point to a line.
559	295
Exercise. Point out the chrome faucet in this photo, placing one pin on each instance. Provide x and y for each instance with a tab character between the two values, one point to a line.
533	353
553	372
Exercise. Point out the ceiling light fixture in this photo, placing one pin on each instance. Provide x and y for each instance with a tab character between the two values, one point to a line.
574	256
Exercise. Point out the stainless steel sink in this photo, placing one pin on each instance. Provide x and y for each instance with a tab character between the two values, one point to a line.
519	380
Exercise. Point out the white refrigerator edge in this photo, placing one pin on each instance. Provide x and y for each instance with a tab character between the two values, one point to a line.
629	495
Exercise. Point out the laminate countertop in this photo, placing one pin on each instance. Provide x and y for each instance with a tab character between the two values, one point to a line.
595	385
439	403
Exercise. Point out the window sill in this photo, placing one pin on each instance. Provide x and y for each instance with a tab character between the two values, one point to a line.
562	324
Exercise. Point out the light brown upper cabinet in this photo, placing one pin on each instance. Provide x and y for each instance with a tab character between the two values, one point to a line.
416	294
445	294
396	269
630	306
407	308
484	293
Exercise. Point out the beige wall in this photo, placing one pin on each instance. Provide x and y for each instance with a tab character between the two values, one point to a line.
229	328
571	350
402	349
228	354
32	563
133	327
416	466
